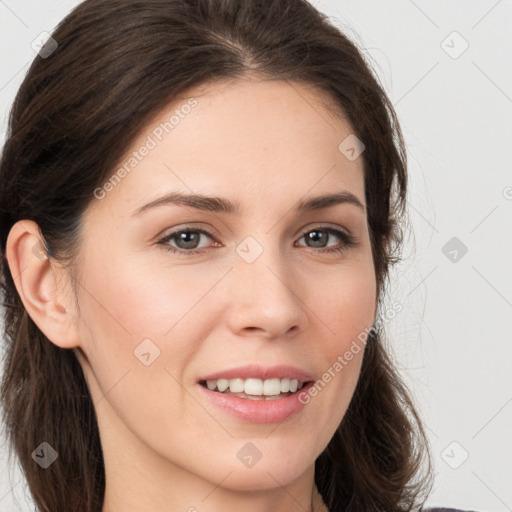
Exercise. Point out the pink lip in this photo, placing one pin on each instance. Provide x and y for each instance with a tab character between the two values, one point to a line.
255	371
256	411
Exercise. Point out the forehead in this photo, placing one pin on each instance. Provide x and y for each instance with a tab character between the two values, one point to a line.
253	140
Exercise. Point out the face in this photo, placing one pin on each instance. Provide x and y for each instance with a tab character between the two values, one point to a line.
174	298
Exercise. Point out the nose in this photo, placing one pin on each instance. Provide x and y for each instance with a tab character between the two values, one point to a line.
265	296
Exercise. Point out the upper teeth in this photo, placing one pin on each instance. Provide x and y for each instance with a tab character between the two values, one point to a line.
256	386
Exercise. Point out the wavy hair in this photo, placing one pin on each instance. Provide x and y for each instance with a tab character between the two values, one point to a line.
117	64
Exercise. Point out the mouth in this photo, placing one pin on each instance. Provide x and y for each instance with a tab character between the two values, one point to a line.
255	389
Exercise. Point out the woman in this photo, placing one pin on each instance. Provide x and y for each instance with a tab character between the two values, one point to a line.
200	206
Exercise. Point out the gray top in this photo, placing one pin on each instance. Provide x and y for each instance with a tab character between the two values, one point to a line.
446	510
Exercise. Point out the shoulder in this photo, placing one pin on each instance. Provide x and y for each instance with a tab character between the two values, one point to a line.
437	509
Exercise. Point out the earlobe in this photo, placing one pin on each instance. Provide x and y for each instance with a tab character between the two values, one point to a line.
37	283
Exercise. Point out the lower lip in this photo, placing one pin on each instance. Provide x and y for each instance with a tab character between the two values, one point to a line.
257	411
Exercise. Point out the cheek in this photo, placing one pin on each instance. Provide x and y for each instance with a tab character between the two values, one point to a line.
133	315
131	301
349	305
138	340
127	323
347	310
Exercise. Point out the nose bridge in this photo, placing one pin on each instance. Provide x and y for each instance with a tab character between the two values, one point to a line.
264	295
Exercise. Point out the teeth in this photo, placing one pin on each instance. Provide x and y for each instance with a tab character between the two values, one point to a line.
272	387
236	385
222	384
256	387
285	385
253	387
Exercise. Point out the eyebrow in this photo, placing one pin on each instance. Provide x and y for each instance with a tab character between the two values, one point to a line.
222	205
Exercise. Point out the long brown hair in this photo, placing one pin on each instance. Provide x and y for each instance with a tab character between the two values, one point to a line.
117	64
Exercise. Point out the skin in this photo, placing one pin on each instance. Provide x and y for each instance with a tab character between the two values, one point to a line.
267	145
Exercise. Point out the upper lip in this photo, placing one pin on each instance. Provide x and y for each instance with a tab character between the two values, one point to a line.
255	371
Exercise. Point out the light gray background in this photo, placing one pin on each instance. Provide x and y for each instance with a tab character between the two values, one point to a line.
453	338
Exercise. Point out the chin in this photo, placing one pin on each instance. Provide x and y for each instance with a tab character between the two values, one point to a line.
246	481
277	470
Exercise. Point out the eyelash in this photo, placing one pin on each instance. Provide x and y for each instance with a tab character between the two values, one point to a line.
347	240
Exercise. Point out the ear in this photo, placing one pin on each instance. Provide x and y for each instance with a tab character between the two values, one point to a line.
42	285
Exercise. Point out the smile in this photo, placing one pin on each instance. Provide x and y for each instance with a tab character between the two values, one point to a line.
255	389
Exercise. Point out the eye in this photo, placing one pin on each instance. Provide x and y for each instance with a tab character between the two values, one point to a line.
187	240
319	236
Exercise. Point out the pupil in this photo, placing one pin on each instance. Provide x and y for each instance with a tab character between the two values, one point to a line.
187	234
314	237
